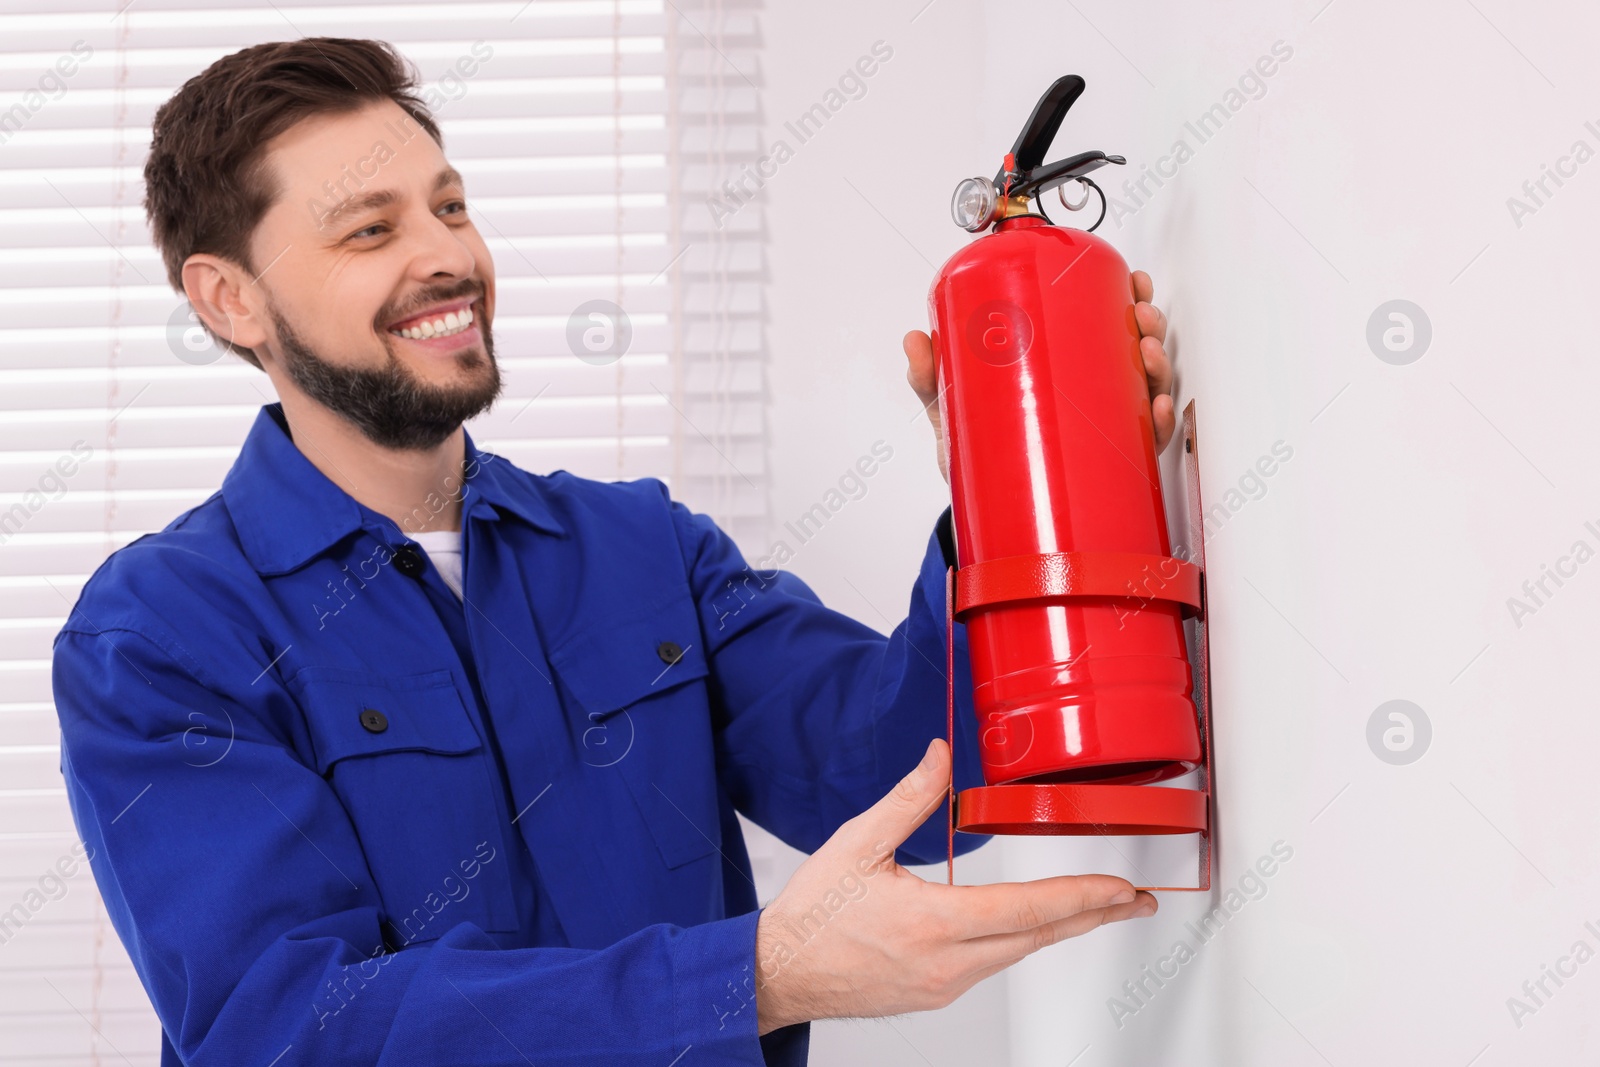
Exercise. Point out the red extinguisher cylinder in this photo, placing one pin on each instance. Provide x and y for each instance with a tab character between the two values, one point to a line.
1047	420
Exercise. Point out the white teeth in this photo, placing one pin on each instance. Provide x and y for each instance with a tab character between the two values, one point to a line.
451	323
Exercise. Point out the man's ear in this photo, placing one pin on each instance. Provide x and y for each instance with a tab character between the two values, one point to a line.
216	289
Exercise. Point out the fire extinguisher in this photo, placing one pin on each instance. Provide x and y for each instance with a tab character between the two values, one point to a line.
1066	582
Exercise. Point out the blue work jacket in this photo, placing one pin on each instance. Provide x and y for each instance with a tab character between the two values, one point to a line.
340	817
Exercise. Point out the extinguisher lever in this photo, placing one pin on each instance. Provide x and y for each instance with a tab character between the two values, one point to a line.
1026	175
1034	140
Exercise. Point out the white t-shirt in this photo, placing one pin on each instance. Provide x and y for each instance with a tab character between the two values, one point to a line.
444	549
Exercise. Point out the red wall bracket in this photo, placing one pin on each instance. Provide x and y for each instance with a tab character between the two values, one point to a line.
1086	809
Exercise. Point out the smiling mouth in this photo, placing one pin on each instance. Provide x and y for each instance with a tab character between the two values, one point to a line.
439	327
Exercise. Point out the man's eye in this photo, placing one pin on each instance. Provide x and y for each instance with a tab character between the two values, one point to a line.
367	229
461	204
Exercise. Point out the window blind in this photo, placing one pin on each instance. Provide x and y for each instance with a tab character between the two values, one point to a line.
592	136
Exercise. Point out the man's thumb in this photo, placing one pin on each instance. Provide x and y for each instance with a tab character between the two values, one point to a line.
917	796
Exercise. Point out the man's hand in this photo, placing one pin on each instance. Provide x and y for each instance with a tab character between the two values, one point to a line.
855	935
923	372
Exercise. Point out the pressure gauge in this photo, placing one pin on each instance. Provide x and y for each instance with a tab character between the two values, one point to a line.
975	205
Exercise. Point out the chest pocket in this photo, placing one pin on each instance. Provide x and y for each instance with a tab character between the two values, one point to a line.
404	756
636	690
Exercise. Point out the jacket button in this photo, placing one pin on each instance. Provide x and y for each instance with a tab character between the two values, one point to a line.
374	720
669	652
409	561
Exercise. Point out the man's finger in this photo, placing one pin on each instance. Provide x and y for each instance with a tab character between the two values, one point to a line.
908	805
1006	949
1157	367
920	369
1151	320
1010	907
1143	288
1166	420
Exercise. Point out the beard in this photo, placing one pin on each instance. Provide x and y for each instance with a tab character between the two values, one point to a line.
390	405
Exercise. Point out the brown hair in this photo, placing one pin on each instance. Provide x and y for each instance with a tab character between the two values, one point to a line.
206	186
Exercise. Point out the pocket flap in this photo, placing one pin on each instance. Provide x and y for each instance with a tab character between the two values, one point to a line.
415	713
612	666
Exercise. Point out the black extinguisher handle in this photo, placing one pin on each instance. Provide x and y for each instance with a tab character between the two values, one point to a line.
1025	175
1034	140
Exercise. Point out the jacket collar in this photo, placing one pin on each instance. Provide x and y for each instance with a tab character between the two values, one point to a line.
286	511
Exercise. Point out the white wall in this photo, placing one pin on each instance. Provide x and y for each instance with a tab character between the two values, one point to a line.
1376	165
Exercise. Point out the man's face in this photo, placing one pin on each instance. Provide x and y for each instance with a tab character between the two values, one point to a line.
370	268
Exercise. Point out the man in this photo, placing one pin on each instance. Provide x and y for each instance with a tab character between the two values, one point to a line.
390	752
